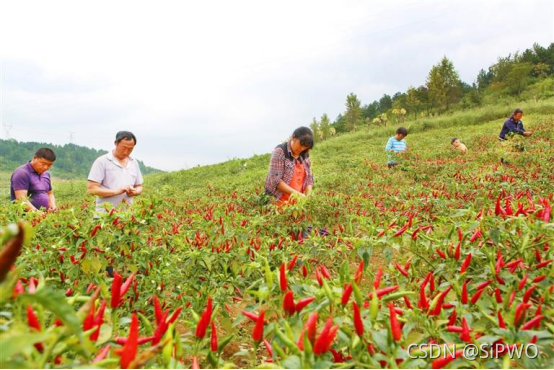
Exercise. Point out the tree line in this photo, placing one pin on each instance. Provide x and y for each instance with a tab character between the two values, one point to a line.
72	161
526	75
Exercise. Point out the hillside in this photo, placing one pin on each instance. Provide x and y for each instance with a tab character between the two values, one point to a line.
441	248
73	161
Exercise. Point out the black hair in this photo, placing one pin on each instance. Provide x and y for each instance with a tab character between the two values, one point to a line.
125	135
402	131
516	111
453	140
46	153
305	135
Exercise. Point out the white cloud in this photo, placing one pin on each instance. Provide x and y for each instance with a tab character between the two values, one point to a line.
200	82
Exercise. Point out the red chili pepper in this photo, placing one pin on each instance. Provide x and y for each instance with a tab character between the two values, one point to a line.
195	363
98	321
213	339
288	303
528	292
401	231
88	322
377	280
116	290
358	323
464	292
311	327
415	232
269	348
484	284
157	310
498	208
32	319
396	331
95	230
346	294
359	272
304	271
521	310
465	333
101	354
476	234
532	323
465	264
522	282
130	348
408	303
501	323
402	271
283	278
454	329
477	295
175	315
161	329
458	250
543	264
438	307
251	315
498	295
125	287
422	303
452	318
384	291
460	234
538	279
442	362
321	341
292	263
318	277
440	253
324	272
258	332
303	303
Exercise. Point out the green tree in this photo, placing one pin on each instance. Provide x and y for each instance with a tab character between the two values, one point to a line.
412	101
315	129
325	126
353	114
385	103
443	83
518	78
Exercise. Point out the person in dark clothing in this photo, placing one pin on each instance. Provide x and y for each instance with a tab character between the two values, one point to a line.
513	126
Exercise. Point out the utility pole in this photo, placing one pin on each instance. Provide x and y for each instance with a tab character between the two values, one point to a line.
7	129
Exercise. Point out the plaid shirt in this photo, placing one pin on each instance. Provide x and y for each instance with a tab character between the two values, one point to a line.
281	168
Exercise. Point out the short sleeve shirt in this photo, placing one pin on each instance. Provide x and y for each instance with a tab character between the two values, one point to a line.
37	185
110	174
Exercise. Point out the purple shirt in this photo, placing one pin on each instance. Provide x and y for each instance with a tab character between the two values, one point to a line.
37	185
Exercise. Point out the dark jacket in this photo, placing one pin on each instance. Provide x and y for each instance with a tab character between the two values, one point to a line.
511	126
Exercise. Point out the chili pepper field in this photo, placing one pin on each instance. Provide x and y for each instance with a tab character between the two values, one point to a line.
446	249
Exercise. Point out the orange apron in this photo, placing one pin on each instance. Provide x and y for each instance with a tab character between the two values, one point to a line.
296	182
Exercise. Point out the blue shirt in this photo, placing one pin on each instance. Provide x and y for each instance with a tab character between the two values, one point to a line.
395	146
511	126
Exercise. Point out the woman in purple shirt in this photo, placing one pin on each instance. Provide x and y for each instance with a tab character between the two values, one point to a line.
32	180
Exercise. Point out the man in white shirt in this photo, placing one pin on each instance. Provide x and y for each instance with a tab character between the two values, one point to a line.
115	177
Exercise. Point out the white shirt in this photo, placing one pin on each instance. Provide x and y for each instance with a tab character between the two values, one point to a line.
110	174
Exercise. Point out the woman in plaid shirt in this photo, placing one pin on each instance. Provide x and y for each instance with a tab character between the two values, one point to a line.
290	167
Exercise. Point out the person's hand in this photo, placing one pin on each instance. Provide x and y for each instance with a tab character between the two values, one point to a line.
132	192
52	209
527	133
124	190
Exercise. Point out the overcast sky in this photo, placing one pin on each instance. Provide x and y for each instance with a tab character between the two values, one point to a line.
205	81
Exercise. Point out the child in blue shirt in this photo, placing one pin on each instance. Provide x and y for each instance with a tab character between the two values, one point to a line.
396	144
